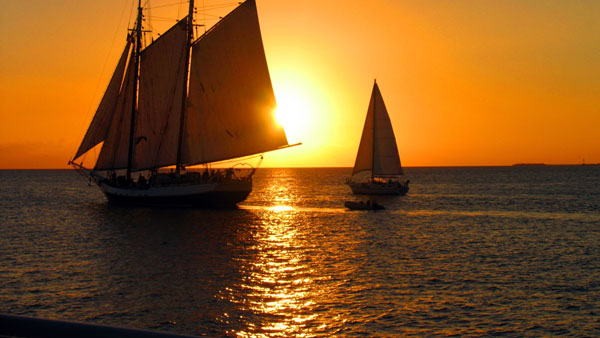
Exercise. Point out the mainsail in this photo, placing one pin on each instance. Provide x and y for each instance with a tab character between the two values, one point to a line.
231	103
378	151
229	111
159	108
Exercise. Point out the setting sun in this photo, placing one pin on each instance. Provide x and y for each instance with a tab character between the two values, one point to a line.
291	113
301	106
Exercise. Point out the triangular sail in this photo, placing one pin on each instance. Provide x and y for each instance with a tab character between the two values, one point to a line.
231	103
364	157
115	150
160	97
99	127
378	151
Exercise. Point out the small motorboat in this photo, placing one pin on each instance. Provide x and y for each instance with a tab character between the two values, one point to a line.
360	205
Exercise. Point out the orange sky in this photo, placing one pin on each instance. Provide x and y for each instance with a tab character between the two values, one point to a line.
465	82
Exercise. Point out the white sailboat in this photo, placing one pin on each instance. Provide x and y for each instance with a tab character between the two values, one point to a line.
180	102
378	154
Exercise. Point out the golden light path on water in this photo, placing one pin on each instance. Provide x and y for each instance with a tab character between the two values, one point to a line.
277	283
507	214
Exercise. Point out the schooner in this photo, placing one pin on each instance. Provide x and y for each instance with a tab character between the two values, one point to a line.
181	102
378	153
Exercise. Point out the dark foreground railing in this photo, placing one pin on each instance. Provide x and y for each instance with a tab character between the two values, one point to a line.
20	326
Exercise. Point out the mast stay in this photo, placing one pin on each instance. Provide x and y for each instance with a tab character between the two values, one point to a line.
190	37
138	48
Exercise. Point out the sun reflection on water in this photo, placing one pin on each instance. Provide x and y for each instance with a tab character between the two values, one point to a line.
276	280
280	208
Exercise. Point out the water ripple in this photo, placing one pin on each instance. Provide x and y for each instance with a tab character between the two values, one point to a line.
469	252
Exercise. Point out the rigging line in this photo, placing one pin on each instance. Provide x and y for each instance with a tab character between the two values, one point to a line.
130	13
103	69
213	16
237	159
179	8
216	24
222	5
169	5
159	18
207	8
168	19
149	19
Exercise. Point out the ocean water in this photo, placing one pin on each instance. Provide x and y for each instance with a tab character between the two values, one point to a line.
484	251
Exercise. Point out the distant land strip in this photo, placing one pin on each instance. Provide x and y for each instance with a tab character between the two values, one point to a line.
544	164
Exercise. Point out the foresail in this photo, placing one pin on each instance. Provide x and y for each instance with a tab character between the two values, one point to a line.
160	97
386	161
98	129
230	111
115	150
364	157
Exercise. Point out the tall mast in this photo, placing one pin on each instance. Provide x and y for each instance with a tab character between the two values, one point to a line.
375	89
138	48
190	37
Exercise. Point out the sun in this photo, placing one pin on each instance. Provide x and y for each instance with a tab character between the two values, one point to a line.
292	113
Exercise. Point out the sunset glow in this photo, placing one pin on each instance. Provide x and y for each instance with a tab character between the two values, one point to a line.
294	112
467	83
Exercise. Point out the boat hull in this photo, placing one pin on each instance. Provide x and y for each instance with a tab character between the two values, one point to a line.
201	195
376	188
363	206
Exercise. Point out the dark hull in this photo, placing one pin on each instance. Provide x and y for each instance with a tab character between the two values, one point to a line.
215	199
202	195
378	188
363	206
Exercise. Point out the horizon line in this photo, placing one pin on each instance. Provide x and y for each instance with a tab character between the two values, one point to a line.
412	166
